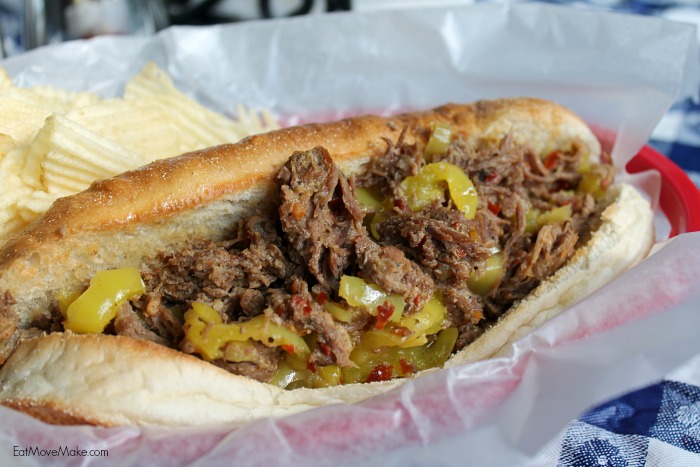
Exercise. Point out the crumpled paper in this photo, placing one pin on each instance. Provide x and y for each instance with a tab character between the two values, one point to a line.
620	73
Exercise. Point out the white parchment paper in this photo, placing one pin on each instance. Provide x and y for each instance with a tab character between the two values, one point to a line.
621	73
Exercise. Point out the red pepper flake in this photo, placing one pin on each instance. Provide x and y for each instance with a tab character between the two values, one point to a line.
321	298
280	309
493	177
289	348
564	202
311	366
384	312
551	160
299	302
416	300
407	367
381	372
325	348
494	208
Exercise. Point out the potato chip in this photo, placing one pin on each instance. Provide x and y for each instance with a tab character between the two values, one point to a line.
21	120
196	125
13	191
194	128
62	98
141	127
150	81
32	206
10	224
77	156
55	142
23	111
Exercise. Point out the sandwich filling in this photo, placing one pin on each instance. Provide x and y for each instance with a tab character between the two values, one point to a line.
356	279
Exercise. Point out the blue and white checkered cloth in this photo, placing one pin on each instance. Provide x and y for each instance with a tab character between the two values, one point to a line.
649	426
642	428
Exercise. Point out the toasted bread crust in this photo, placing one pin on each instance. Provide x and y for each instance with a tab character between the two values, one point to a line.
113	380
116	222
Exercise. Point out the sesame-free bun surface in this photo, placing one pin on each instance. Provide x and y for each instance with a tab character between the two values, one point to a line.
114	380
118	221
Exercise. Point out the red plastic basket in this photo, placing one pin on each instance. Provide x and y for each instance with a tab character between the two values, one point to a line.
679	198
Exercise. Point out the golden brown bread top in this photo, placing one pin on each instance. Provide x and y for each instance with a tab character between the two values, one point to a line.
171	185
67	378
116	222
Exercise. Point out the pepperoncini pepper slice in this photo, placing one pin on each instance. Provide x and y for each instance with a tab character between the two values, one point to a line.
396	361
421	324
439	139
368	201
485	282
427	186
98	305
371	365
592	182
339	312
357	292
209	335
536	218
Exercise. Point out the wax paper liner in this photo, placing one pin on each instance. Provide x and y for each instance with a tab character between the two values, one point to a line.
620	73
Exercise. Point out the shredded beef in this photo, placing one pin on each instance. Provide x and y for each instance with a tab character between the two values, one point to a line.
320	214
387	172
10	334
510	180
443	243
253	360
286	260
554	245
303	311
388	267
8	322
219	271
128	323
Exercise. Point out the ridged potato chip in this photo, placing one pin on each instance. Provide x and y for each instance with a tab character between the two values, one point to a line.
32	206
77	156
55	142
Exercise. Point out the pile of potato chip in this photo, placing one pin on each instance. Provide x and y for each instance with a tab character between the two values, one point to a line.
55	142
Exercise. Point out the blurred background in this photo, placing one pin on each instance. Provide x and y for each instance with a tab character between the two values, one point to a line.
27	24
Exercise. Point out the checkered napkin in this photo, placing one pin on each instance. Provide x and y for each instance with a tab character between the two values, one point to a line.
656	425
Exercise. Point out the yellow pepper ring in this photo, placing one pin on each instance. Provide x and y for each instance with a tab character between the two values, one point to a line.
357	292
98	305
426	187
209	335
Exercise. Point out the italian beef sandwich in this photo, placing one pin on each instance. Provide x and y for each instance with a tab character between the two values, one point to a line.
311	265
